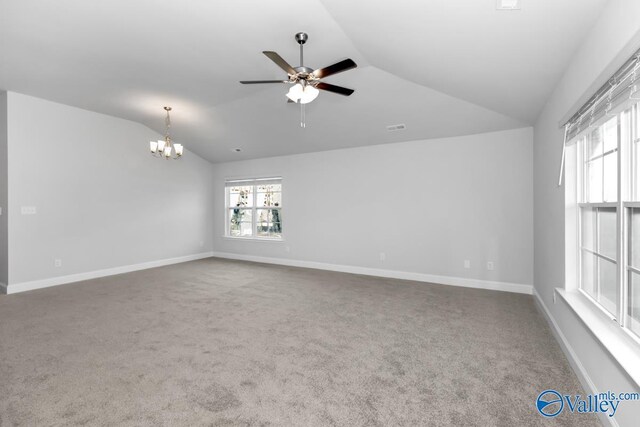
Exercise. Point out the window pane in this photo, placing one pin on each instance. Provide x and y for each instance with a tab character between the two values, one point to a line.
269	199
277	229
594	180
269	223
240	222
608	283
588	283
635	172
263	219
245	229
634	238
588	224
269	188
276	217
241	196
263	230
610	131
607	240
610	173
596	143
633	310
635	153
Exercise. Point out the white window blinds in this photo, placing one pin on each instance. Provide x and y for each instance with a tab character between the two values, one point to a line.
252	181
620	92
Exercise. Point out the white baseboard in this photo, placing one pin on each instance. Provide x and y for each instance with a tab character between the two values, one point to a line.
574	360
392	274
60	280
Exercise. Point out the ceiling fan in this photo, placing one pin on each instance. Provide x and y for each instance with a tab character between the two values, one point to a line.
306	81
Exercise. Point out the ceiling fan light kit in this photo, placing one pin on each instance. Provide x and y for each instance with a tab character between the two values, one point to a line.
166	148
302	93
306	82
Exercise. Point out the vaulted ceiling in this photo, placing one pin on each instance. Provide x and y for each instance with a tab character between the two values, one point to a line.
441	67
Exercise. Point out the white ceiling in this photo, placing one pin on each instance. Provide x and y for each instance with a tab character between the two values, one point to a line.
442	67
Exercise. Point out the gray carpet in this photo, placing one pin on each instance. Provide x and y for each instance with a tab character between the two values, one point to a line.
217	342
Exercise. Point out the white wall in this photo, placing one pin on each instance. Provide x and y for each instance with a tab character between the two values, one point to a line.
102	200
428	205
612	40
4	249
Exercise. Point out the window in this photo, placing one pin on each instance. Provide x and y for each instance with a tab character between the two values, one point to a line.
254	208
609	216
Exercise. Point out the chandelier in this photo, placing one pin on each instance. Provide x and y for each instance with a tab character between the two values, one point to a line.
165	147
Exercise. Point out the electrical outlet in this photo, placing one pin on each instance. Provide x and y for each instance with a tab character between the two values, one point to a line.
57	263
383	256
28	210
467	263
287	249
490	265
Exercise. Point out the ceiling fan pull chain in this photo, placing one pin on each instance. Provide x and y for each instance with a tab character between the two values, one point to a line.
302	118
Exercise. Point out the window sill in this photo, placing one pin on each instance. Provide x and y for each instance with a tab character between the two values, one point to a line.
624	348
253	239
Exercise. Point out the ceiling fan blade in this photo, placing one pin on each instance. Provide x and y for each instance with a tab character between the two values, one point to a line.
280	62
335	89
338	67
256	82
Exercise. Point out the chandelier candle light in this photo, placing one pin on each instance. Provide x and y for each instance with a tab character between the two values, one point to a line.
165	147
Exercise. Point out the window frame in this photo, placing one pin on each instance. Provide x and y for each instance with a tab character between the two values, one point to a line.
254	183
627	189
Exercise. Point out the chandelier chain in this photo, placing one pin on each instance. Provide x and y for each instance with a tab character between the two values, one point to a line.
167	122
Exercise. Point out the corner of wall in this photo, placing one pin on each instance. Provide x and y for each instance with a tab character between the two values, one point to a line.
4	188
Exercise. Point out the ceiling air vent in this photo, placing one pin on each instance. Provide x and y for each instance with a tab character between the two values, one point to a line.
393	128
509	4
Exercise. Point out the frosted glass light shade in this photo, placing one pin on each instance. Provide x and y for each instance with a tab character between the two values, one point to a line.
309	94
153	146
295	92
161	144
167	151
178	148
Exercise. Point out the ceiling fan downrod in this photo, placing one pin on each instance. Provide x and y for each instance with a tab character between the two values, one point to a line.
301	38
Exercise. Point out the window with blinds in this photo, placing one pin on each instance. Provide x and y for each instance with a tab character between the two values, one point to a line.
606	131
254	208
